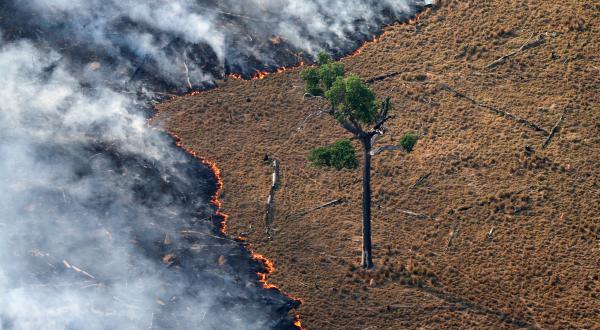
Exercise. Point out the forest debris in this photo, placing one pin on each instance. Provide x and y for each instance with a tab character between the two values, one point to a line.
328	204
270	212
379	150
495	110
310	116
490	234
310	96
190	232
167	240
77	269
417	215
526	46
554	131
382	77
168	259
453	233
421	180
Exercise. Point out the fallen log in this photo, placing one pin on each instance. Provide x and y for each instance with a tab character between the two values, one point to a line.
421	180
77	269
417	215
270	211
322	206
554	131
379	150
495	110
527	45
381	77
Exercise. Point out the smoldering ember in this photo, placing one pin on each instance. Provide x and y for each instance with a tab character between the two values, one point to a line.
285	164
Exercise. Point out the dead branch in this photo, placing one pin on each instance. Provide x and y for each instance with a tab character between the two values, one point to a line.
379	150
193	232
490	234
77	269
417	215
310	116
495	110
381	77
453	234
310	96
554	131
526	46
421	180
322	206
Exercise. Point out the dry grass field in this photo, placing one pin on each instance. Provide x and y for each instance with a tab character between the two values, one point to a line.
480	226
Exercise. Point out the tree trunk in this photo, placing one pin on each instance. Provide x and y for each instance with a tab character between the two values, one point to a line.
367	259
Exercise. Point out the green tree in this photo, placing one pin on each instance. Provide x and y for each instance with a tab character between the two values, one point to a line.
354	105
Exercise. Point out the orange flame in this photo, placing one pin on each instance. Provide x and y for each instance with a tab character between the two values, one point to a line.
269	269
215	201
260	75
298	322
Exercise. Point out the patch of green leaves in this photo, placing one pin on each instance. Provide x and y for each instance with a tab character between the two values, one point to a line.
338	155
312	80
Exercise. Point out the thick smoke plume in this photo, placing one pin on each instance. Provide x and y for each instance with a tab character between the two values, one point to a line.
104	222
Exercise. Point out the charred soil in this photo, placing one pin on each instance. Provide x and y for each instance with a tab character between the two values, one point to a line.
480	226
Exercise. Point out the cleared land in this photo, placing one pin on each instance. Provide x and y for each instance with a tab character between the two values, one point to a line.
507	233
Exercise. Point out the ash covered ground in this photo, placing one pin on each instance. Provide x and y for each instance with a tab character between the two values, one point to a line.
105	222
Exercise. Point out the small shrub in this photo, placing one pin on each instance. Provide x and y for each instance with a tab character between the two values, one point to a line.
408	141
312	79
340	154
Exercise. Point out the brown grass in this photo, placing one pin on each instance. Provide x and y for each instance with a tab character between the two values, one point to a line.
540	268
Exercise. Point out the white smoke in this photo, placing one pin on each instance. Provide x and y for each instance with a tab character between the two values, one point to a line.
68	251
163	36
89	195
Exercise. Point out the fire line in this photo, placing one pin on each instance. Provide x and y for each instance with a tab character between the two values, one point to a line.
215	201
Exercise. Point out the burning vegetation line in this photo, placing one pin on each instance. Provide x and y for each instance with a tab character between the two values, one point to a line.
262	74
267	264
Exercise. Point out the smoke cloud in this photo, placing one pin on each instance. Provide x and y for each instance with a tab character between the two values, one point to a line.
104	222
183	43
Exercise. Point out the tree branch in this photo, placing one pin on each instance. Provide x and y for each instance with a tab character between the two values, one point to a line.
379	150
380	123
351	128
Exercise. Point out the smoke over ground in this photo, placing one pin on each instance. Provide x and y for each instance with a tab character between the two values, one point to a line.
104	222
178	44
